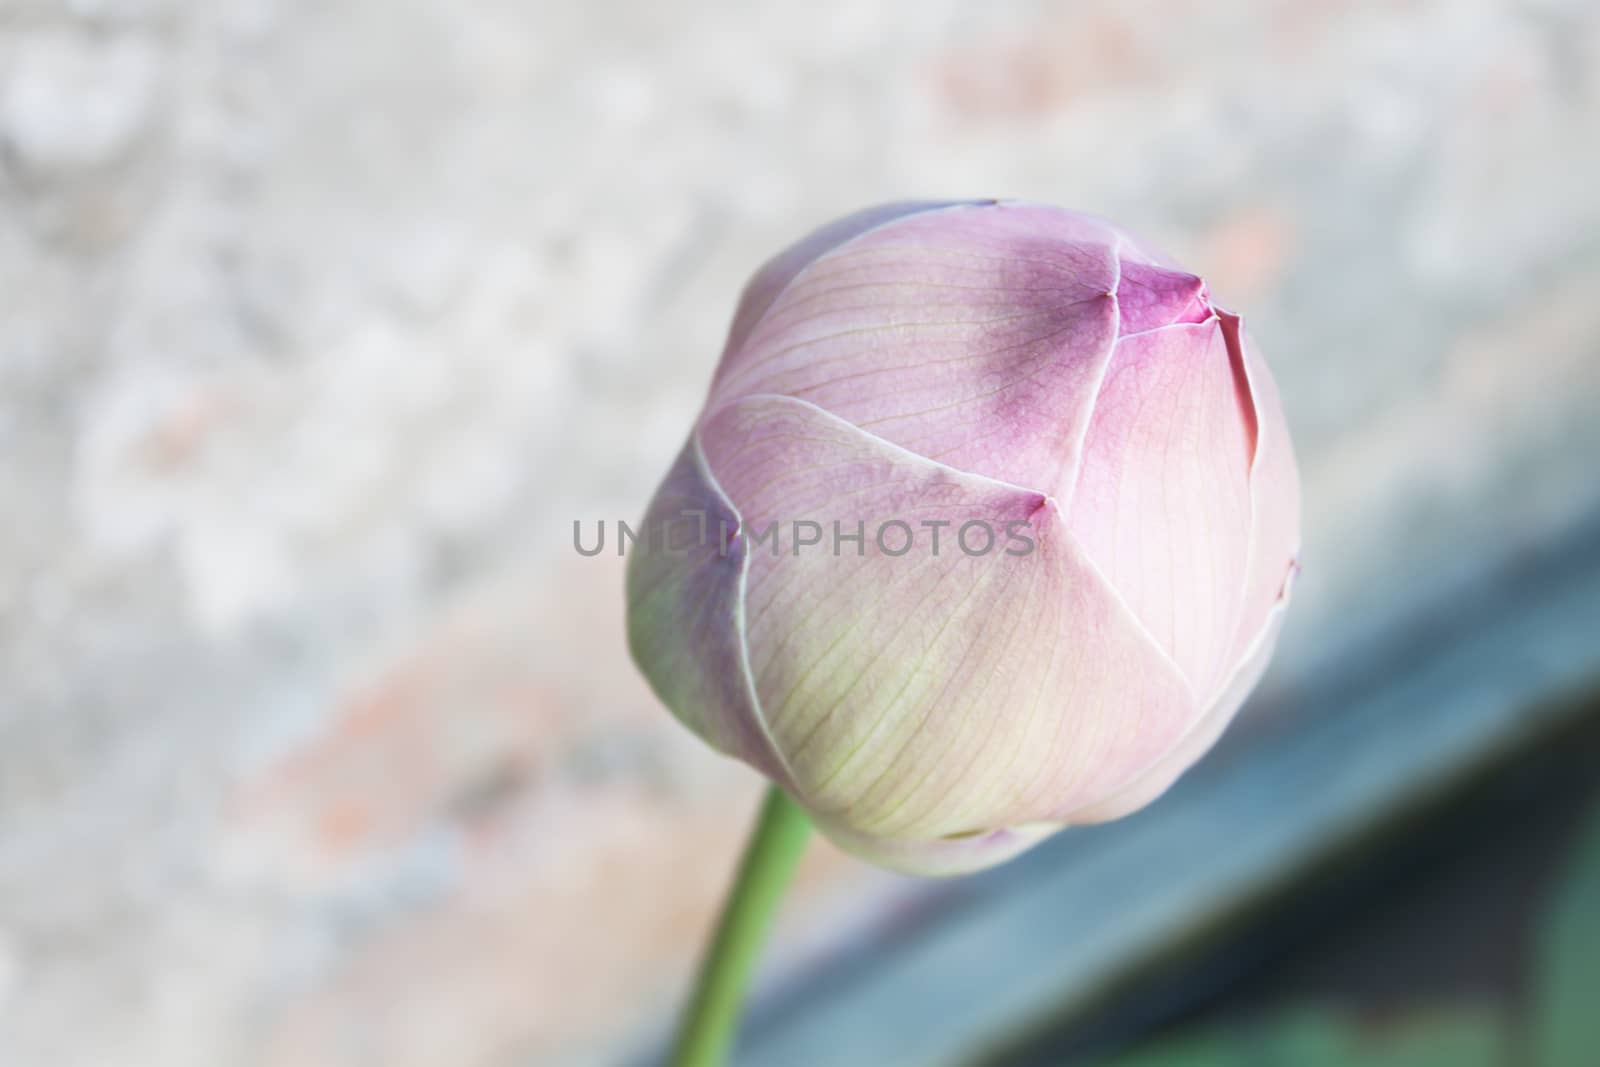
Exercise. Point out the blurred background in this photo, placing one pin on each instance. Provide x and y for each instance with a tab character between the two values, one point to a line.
320	323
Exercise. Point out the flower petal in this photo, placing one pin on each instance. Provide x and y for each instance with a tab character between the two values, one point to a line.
927	694
973	335
1151	297
938	857
685	614
1162	502
781	269
1274	499
1200	738
1195	744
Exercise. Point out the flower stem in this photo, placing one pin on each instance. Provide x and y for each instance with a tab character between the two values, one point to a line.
770	857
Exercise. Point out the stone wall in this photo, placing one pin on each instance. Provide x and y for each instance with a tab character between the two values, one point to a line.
321	322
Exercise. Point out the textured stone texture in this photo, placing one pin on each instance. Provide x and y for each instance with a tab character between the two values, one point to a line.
320	323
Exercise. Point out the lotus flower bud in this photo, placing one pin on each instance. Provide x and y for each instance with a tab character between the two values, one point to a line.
986	529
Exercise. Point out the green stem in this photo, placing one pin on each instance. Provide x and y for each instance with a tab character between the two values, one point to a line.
770	857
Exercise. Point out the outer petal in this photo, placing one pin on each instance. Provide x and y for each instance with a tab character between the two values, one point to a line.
1201	738
938	857
973	335
1162	501
1274	497
923	695
685	614
1150	297
781	269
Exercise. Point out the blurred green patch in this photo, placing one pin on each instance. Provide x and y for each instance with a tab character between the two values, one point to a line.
1565	1008
1315	1038
1560	1026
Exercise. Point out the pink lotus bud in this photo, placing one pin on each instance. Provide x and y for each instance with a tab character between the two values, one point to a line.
986	529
